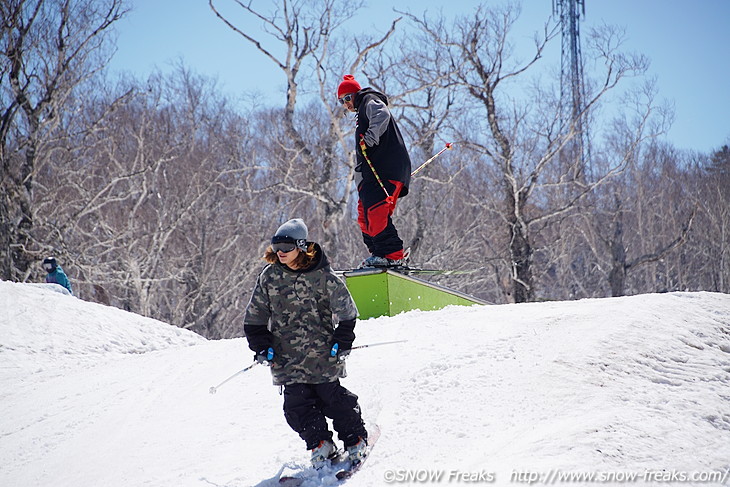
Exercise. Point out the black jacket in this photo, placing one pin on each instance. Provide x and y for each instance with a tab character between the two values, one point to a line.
389	155
294	312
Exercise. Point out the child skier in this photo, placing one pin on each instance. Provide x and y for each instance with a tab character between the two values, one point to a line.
290	325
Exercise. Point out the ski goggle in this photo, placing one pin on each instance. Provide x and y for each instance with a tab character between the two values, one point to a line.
285	247
345	98
284	243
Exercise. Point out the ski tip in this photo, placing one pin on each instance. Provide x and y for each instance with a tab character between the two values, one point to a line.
291	481
343	475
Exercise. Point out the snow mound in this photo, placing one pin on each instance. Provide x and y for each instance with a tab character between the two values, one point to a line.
44	326
621	388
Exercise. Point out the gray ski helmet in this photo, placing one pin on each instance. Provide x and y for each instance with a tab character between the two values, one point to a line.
294	231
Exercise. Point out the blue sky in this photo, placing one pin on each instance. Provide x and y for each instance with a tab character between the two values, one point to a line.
688	43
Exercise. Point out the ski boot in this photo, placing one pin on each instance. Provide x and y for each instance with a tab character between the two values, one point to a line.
322	453
377	261
358	451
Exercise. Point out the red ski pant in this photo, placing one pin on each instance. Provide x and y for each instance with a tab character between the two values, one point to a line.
374	217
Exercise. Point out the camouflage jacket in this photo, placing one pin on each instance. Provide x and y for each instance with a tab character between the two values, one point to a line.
300	309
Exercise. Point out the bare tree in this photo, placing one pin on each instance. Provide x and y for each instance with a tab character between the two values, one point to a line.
628	214
47	50
422	98
703	263
160	205
308	150
521	139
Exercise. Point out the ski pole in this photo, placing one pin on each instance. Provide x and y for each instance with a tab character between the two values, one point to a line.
448	146
388	197
378	344
336	347
214	389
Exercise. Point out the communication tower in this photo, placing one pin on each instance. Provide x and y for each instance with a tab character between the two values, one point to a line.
572	92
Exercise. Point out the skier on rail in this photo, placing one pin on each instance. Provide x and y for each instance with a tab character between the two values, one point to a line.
383	171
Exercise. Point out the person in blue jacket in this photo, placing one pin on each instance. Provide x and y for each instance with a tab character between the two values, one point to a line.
56	274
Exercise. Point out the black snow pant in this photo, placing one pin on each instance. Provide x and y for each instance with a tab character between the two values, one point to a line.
306	407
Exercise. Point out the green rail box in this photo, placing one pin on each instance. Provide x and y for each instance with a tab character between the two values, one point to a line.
387	292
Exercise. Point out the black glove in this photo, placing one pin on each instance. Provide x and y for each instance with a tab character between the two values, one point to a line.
260	340
265	356
342	339
341	355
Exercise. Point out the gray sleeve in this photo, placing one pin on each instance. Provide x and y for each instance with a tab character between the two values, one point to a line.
379	116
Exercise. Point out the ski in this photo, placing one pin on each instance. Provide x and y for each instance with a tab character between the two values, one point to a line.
440	272
335	461
403	270
339	469
352	469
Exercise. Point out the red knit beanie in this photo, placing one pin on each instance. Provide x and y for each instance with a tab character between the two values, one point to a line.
349	85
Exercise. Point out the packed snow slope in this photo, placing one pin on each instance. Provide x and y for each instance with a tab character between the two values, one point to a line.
92	396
